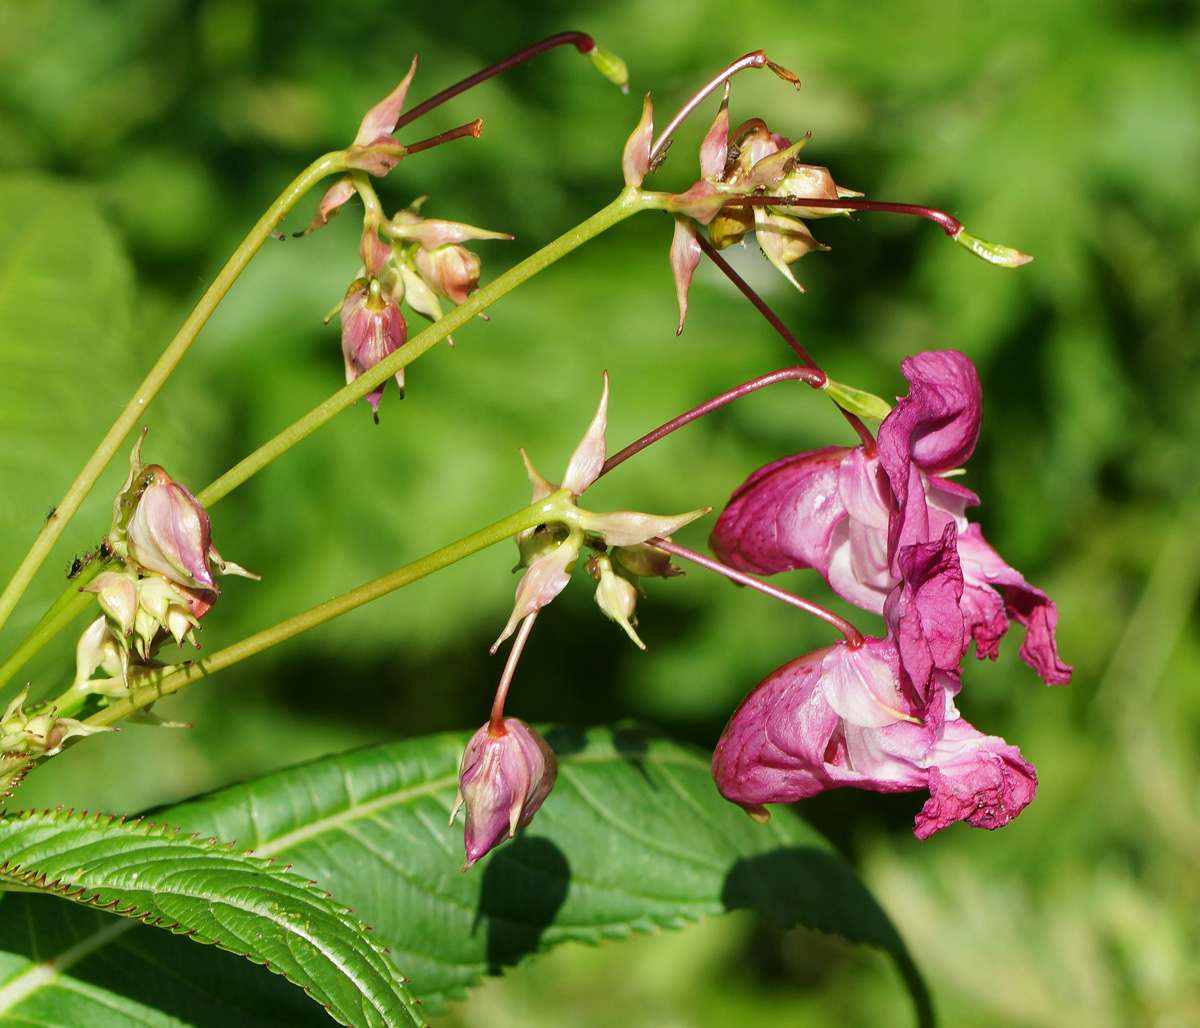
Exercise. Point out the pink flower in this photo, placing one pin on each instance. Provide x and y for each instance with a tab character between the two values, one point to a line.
503	780
880	716
850	514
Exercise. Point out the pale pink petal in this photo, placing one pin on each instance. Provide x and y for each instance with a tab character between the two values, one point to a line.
635	161
685	258
588	458
381	119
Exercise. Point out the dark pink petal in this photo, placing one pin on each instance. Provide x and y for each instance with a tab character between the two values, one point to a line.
976	778
923	614
932	429
784	515
994	592
787	741
937	424
773	750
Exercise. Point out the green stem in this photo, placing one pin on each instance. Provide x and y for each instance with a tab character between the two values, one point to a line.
69	504
170	681
629	202
61	613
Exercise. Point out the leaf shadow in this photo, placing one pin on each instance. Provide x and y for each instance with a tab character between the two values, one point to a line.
801	885
524	886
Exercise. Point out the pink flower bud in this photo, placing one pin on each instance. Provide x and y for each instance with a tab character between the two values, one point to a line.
450	271
170	533
503	780
372	329
159	526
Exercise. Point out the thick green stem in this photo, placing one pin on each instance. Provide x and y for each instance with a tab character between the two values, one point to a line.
170	681
630	201
69	504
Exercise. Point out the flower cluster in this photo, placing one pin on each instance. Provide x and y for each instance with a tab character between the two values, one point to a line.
549	552
408	258
886	529
750	161
164	583
508	769
421	262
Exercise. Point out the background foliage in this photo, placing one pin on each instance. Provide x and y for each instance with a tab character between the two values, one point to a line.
142	138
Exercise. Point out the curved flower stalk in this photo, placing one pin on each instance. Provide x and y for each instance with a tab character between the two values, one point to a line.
880	716
850	513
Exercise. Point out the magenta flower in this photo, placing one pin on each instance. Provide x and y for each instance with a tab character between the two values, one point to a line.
880	716
850	514
503	779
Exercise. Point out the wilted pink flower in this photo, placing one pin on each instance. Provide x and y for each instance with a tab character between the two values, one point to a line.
880	716
372	329
850	515
503	779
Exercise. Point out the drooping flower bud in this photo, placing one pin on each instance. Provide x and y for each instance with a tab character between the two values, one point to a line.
616	595
372	329
503	780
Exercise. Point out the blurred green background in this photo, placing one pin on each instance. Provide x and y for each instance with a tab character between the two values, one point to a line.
141	138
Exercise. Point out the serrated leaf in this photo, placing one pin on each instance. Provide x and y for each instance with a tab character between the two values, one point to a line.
194	887
634	837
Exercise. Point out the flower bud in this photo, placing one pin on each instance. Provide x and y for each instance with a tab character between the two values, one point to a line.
616	595
39	734
503	780
450	271
372	329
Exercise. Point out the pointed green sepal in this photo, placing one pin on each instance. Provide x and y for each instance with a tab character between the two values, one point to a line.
611	67
856	401
993	253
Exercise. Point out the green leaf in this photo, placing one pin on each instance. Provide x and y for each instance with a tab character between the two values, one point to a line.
65	287
634	837
198	888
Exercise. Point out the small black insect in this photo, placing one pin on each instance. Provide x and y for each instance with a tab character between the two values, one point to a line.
76	567
104	552
52	512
